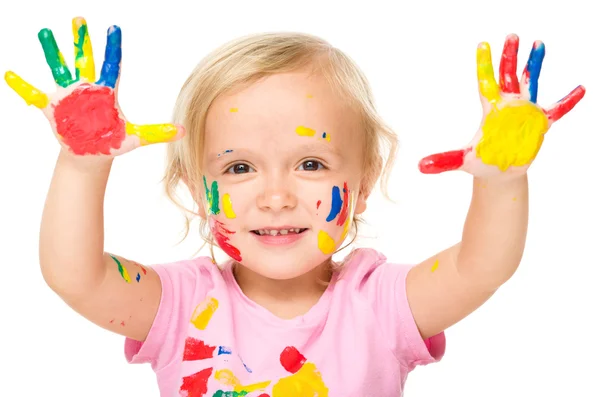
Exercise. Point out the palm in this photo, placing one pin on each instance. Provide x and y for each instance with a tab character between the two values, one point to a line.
84	113
513	125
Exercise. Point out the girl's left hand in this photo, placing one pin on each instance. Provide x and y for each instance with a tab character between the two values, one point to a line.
513	125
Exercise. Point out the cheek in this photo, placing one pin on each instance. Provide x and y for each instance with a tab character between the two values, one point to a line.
336	212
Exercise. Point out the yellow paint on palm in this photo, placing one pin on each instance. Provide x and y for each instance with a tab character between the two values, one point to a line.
305	131
84	58
226	377
227	206
326	243
513	135
29	93
485	74
306	382
204	312
152	133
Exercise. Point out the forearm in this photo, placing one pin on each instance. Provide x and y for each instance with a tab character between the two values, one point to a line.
495	231
72	228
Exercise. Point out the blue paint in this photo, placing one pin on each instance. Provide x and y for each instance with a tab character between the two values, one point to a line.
225	152
324	135
336	203
534	67
224	350
245	366
112	58
137	278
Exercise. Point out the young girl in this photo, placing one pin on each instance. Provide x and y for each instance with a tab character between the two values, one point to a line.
281	149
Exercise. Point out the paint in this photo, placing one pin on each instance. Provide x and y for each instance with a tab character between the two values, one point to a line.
152	133
233	110
346	227
225	152
513	135
326	243
442	162
531	74
54	58
318	204
88	122
195	349
29	93
485	74
305	381
226	377
141	267
196	385
84	58
309	95
565	105
221	234
435	265
204	312
122	270
112	58
212	197
227	206
344	211
509	82
336	203
326	136
305	131
291	359
224	350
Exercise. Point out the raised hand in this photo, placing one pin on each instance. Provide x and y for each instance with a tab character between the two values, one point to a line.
84	113
513	125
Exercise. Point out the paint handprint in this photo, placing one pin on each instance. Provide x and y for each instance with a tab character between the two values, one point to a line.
513	125
84	113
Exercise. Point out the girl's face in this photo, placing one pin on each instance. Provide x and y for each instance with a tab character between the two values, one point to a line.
282	161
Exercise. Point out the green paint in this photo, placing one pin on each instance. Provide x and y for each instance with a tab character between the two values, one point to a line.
54	58
121	270
212	197
221	393
82	34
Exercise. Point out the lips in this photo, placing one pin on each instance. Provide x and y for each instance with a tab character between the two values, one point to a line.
279	231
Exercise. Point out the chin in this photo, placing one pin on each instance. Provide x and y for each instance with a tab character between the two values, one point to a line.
284	268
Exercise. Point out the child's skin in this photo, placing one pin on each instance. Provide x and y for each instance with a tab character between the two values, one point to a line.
278	182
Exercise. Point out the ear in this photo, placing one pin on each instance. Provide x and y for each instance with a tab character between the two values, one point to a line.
361	203
197	196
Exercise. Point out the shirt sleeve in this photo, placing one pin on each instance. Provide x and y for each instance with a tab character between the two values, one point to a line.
385	287
182	283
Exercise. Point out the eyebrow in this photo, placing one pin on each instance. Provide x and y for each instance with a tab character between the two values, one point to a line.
313	147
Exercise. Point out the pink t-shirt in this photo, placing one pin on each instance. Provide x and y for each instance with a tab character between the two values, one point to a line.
359	339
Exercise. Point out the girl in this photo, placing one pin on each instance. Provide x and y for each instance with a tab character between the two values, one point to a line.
278	142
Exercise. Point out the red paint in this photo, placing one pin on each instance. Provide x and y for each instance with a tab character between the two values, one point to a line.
565	105
318	204
196	385
442	162
264	395
509	82
196	349
141	267
112	321
344	211
122	323
88	121
291	359
221	235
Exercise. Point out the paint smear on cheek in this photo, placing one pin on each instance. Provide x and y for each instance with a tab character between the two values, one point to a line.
326	243
204	312
212	197
344	213
336	203
305	131
318	204
221	234
227	206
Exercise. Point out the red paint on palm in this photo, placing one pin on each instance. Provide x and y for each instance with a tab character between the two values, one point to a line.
88	120
195	349
220	232
196	385
291	359
441	162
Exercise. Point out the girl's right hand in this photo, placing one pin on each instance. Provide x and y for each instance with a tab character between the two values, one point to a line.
84	113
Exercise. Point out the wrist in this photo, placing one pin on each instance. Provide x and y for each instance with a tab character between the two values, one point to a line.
86	163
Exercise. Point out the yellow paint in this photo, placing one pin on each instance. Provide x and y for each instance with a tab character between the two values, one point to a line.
328	137
29	93
233	110
326	243
305	131
485	74
85	63
514	199
152	133
513	135
306	382
227	207
204	312
435	265
309	95
346	227
226	377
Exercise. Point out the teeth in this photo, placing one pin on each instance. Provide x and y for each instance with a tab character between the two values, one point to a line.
282	232
273	232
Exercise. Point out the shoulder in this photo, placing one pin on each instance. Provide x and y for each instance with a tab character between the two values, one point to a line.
365	267
188	273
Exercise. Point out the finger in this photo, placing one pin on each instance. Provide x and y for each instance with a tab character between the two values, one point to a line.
488	87
155	133
84	57
54	58
564	106
112	58
29	93
442	162
509	82
531	73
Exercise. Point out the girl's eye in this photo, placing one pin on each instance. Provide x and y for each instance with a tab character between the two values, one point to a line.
239	168
311	165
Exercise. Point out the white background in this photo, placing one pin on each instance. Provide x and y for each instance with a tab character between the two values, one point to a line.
535	337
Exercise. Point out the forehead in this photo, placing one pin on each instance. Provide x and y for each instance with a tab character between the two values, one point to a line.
283	109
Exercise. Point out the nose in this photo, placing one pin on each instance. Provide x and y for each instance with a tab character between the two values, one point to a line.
277	195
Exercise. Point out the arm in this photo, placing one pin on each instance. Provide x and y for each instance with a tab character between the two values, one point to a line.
72	255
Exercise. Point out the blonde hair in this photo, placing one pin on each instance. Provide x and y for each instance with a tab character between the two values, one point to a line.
246	60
